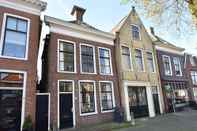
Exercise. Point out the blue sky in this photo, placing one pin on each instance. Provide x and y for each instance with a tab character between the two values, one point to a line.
105	14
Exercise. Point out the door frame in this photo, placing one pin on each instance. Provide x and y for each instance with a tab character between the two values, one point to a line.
23	90
49	107
73	101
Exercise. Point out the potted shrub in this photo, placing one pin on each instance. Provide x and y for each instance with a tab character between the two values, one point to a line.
28	126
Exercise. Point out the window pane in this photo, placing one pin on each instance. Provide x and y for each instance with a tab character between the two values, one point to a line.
135	32
65	86
150	62
87	97
106	96
177	66
126	61
66	57
167	68
87	59
139	61
15	38
11	23
104	61
22	25
11	79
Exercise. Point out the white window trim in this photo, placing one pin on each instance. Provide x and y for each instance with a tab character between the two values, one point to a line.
3	35
123	45
192	73
154	67
113	96
23	89
93	59
181	73
49	107
140	38
58	64
143	64
109	61
73	101
95	100
169	63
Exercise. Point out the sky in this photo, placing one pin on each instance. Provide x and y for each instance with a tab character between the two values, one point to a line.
105	14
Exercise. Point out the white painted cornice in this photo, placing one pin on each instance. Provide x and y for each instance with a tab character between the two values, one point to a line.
74	30
165	49
30	6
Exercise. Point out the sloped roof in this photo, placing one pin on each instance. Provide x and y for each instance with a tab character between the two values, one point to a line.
120	24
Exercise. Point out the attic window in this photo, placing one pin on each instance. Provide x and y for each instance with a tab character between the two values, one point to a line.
135	32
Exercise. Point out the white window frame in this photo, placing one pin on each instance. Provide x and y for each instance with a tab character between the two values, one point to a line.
154	67
58	57
23	90
95	100
181	73
130	58
6	15
169	65
109	60
138	30
113	96
73	101
191	74
143	64
94	58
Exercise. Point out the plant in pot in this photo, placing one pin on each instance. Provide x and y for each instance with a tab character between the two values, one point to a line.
28	126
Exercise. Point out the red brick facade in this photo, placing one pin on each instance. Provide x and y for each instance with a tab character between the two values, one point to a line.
54	76
30	65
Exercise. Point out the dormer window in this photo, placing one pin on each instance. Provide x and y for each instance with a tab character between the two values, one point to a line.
135	32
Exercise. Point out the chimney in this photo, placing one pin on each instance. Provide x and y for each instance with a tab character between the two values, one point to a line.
133	9
152	31
78	12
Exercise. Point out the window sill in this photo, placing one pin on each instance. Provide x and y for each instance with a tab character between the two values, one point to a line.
88	114
108	111
14	58
86	73
66	72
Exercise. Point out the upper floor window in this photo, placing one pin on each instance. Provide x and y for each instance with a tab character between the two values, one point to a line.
139	60
88	64
194	77
177	66
66	56
150	61
126	58
15	38
192	61
105	61
107	96
167	65
135	32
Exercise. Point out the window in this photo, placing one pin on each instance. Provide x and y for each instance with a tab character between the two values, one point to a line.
11	80
87	97
66	56
150	62
87	59
105	61
167	65
139	60
15	38
126	58
192	61
177	66
106	96
194	77
135	32
65	86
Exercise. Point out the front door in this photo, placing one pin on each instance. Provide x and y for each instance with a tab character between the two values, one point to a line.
138	101
42	111
10	110
156	103
66	113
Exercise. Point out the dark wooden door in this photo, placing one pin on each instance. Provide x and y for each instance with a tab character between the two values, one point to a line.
66	113
42	104
156	103
10	110
138	101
